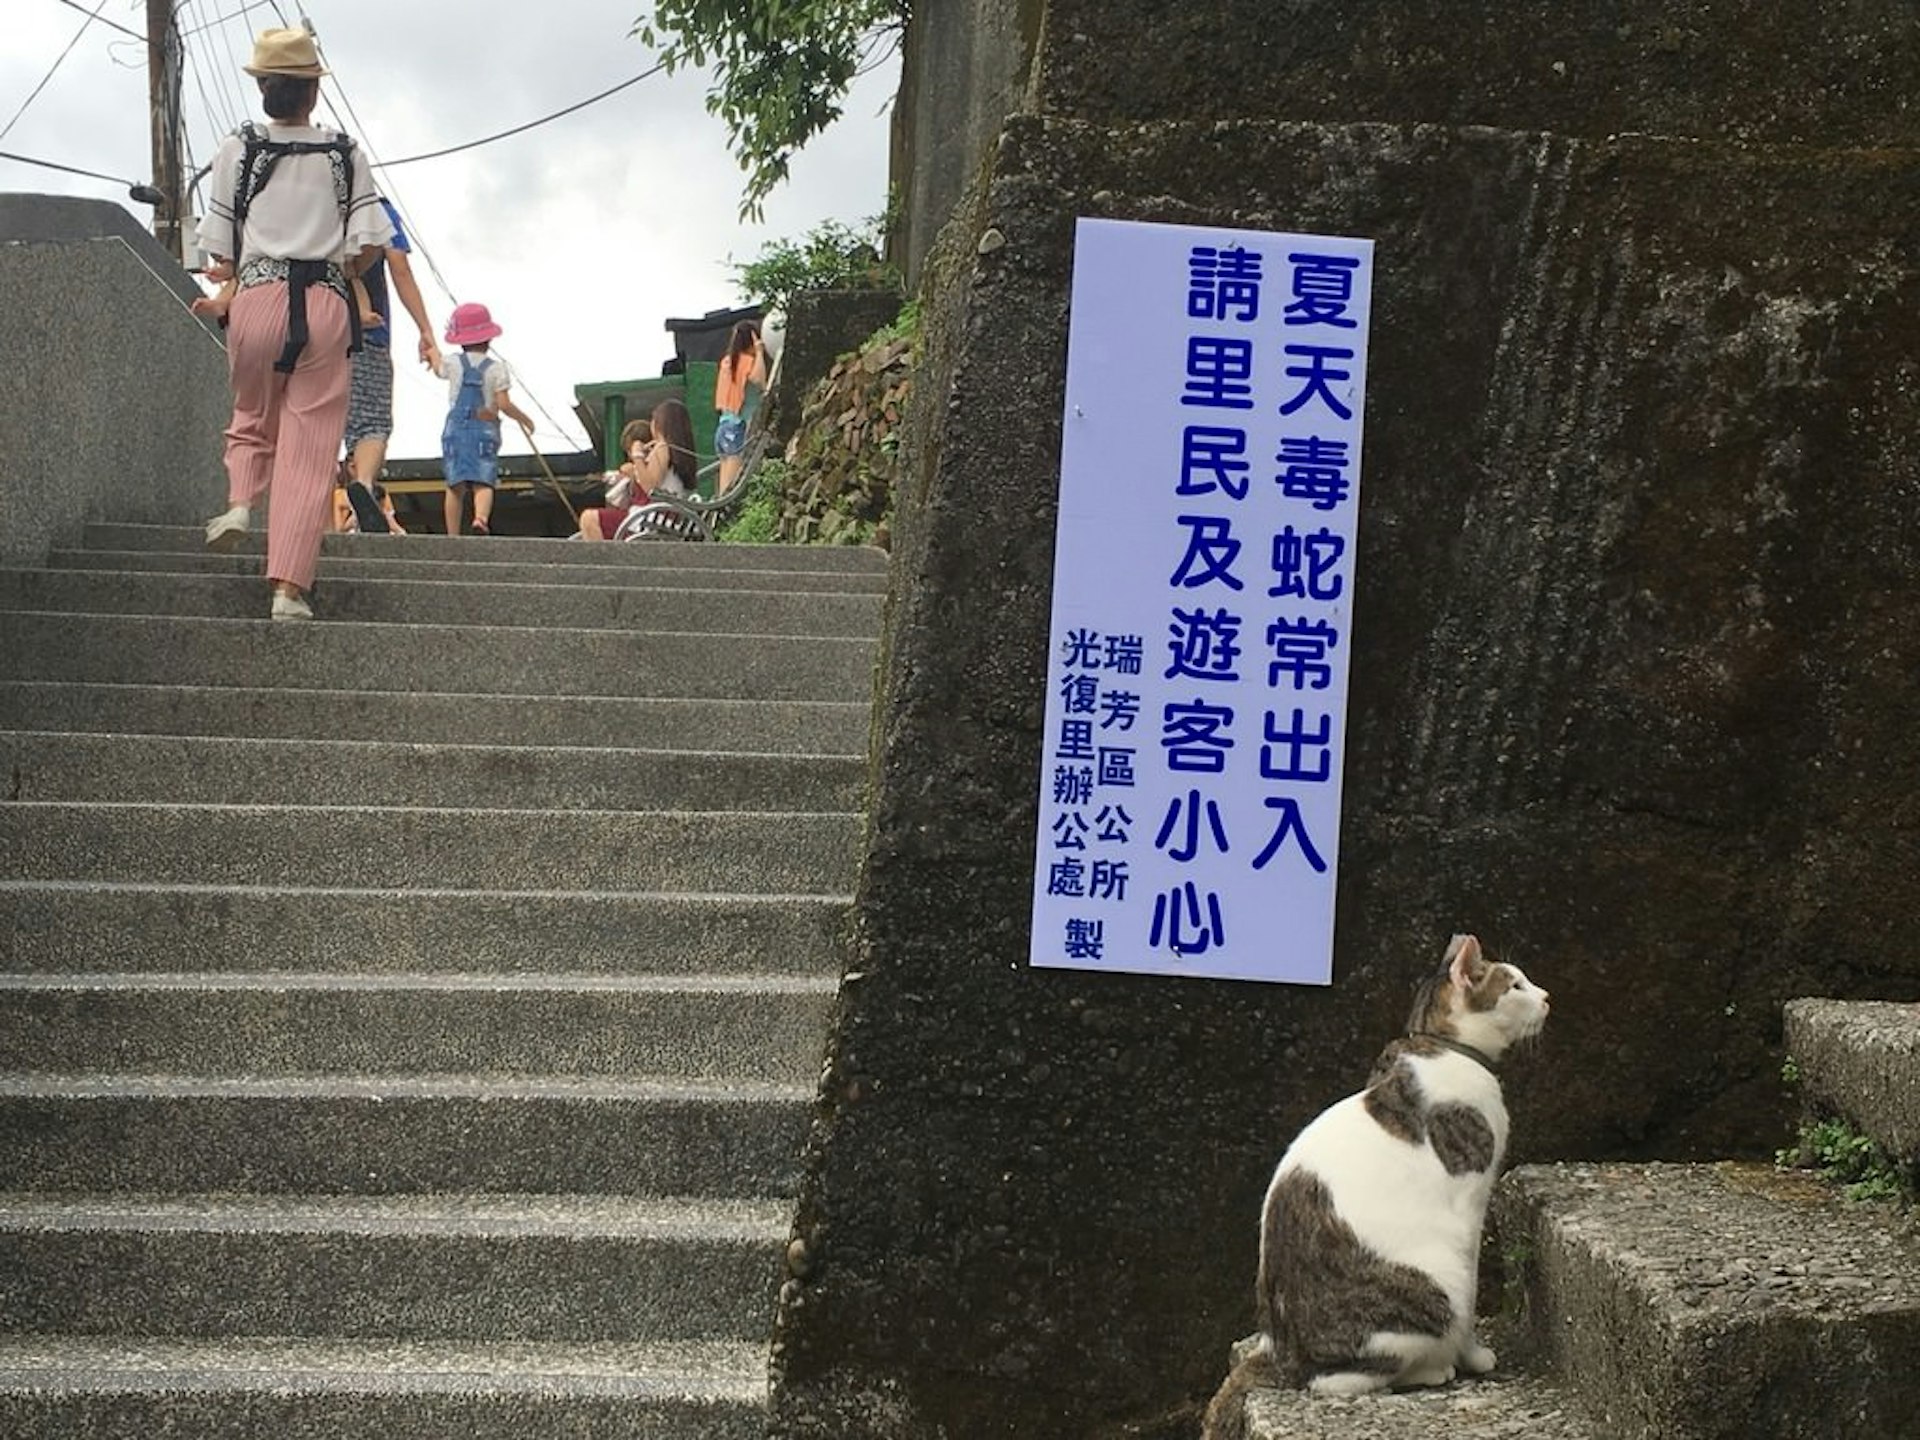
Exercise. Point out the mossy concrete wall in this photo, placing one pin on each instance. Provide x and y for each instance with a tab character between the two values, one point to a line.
1633	690
963	68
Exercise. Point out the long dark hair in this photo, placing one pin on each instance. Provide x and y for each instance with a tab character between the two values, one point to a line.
288	97
673	424
742	340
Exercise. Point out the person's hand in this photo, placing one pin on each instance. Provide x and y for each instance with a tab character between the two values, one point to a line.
220	271
212	307
526	427
429	353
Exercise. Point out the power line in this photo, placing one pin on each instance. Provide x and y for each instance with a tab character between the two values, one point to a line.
70	169
84	24
74	5
390	193
230	15
653	69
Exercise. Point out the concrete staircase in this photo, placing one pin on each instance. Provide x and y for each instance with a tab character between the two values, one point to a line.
1708	1302
1693	1302
410	1019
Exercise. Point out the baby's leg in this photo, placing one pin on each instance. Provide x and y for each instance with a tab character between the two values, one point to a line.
453	509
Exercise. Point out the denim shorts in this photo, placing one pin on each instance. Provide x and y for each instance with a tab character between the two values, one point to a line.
730	435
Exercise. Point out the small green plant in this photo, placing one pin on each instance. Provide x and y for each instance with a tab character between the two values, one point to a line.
757	520
1516	1258
904	326
1790	1071
1842	1156
831	256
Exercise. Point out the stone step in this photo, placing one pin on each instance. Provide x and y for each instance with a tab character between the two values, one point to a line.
1707	1302
189	540
144	1388
119	927
1499	1406
1860	1060
759	1027
559	609
402	1134
400	563
714	852
200	770
460	659
565	1268
817	727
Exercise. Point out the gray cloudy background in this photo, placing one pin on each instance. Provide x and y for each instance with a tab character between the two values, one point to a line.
582	235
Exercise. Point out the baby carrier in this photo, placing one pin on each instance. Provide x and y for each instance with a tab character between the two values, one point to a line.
259	153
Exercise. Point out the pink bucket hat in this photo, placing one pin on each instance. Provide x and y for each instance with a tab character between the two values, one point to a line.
470	325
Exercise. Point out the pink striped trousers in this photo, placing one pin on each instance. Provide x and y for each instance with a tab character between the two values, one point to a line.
284	440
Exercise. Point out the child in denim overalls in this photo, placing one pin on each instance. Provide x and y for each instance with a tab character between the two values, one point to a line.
477	392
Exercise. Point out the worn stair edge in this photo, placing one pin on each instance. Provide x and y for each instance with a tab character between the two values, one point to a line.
42	765
188	539
88	1389
1708	1302
762	1027
61	926
1860	1059
453	603
1499	1406
568	1268
724	851
501	659
402	1134
730	579
817	727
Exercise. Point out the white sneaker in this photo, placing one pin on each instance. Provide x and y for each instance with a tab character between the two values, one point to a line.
226	531
290	607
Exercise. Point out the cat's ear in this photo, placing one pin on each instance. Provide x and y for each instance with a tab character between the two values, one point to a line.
1465	963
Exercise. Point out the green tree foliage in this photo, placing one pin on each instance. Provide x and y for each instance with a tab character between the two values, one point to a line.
781	68
831	256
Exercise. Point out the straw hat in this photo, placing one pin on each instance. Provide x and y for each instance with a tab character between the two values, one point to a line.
285	52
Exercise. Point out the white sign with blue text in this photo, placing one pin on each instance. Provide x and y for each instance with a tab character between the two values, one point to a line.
1202	603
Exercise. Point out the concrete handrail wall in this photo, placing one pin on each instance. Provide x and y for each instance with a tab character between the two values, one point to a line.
116	394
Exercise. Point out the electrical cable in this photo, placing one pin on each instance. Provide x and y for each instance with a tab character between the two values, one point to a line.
206	100
85	25
653	69
230	15
70	169
389	192
115	24
225	116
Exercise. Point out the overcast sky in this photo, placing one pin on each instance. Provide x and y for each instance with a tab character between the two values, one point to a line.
582	235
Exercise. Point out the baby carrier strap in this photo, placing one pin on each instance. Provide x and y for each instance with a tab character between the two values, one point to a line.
259	153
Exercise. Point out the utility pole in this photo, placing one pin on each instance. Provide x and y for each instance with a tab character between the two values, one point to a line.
163	100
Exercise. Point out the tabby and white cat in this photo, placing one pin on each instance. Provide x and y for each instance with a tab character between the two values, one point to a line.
1370	1234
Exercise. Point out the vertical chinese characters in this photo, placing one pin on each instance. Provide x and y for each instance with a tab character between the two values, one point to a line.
1203	579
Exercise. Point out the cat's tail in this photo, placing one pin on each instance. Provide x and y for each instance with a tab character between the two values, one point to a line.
1259	1369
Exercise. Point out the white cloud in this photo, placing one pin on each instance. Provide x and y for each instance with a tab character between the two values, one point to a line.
583	236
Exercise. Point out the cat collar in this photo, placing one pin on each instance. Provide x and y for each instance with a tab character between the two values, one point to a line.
1479	1057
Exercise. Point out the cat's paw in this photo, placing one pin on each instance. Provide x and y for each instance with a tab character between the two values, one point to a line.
1428	1375
1477	1359
1348	1382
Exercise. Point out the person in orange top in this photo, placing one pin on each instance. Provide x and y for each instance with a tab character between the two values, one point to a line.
736	390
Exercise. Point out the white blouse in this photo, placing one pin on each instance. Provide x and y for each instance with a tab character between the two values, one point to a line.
296	214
